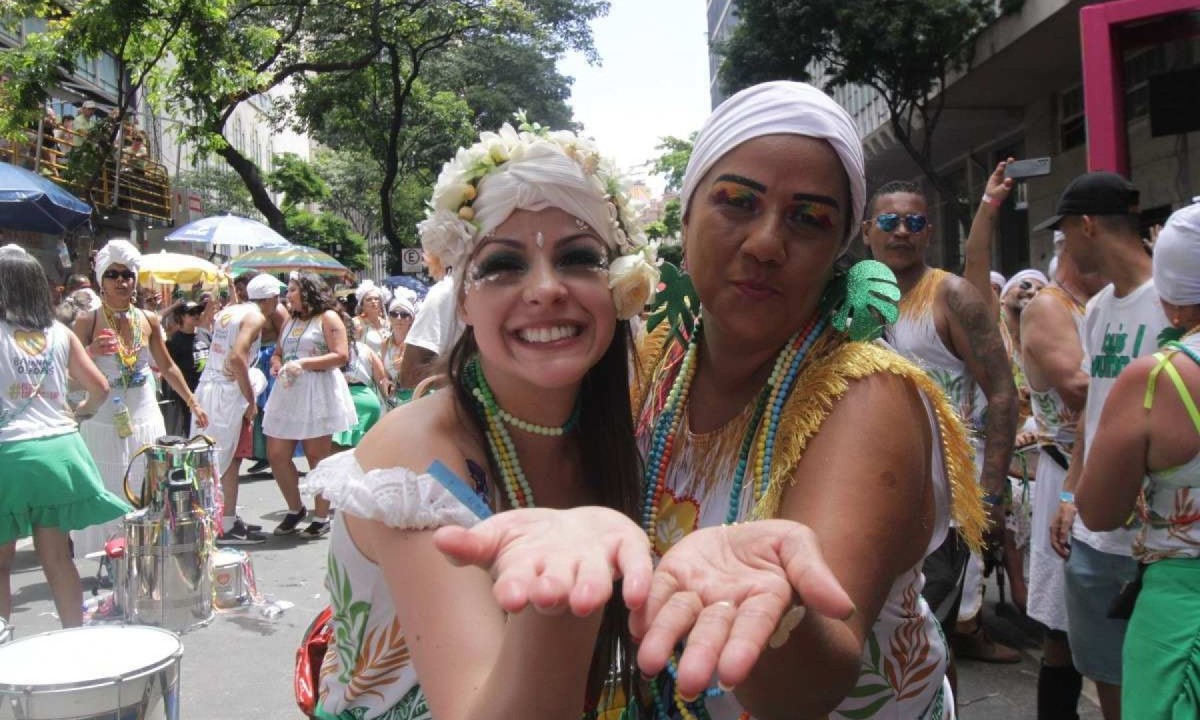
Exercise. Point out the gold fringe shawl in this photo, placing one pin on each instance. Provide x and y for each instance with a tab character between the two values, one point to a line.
919	299
825	381
820	385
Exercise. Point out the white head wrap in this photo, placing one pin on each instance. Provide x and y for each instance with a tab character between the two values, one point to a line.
368	287
997	279
263	286
782	107
1177	257
117	252
403	302
1052	269
13	248
1026	274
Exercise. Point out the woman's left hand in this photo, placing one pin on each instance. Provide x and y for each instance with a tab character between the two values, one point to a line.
726	591
555	559
199	416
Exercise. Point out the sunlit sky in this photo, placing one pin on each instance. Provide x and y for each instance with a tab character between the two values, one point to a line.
652	79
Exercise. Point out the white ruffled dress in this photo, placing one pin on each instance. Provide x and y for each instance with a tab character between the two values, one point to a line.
313	403
367	670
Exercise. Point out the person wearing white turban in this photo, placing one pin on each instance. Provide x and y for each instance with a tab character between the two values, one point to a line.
1143	462
402	313
774	192
125	342
370	325
998	281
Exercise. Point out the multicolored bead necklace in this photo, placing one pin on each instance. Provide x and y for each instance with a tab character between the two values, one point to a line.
759	436
503	450
126	354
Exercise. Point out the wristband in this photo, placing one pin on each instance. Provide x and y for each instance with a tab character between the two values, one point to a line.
993	499
994	202
1067	497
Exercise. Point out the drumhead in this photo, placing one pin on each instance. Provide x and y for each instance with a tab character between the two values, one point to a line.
96	653
227	557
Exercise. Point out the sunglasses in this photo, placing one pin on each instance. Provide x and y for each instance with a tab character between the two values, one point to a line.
114	274
400	314
1025	284
915	222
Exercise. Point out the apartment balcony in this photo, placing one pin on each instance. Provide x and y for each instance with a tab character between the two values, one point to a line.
128	182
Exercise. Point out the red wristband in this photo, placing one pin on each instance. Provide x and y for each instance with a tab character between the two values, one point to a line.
994	202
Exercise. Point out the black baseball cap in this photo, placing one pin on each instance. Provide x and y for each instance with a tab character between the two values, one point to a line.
1094	193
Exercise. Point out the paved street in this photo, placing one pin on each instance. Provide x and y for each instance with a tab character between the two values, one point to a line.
240	665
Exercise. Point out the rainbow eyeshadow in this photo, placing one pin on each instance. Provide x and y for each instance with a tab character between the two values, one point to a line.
732	193
815	213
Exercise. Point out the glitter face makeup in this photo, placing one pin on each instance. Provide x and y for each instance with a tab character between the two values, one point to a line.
726	192
816	214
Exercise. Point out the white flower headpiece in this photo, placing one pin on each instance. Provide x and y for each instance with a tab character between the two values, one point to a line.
452	225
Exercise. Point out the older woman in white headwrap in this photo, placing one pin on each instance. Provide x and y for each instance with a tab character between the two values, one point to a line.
1148	446
401	313
370	325
773	429
124	342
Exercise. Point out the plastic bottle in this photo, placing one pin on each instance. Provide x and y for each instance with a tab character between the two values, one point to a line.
121	419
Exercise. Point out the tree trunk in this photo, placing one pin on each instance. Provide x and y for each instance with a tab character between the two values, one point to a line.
253	179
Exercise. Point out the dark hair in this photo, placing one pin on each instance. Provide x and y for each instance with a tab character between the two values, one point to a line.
894	187
24	293
608	458
1128	225
315	296
78	281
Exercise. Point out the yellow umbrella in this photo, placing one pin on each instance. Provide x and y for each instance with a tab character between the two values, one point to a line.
166	268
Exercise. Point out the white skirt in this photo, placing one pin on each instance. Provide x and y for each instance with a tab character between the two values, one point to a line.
112	453
315	404
1047	571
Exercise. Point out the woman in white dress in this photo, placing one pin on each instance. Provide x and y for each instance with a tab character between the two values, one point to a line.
401	312
124	342
311	401
370	324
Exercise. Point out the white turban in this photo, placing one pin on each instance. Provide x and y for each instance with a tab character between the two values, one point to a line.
997	279
782	107
263	286
117	252
367	288
1052	270
403	302
1177	258
543	177
1027	274
13	249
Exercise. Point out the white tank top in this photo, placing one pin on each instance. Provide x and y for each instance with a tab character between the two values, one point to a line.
33	375
303	338
914	335
227	325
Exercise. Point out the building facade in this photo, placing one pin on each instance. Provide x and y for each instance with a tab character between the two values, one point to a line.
1023	96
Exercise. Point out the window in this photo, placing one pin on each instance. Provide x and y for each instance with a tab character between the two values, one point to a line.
1139	66
1072	128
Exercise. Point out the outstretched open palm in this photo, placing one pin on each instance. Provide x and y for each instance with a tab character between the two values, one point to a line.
726	590
555	559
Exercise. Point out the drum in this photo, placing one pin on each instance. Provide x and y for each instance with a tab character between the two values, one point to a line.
233	579
91	673
165	580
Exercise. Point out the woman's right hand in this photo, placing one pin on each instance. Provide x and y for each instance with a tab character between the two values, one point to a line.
276	364
555	559
105	343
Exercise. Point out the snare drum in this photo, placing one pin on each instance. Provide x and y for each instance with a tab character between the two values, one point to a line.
92	673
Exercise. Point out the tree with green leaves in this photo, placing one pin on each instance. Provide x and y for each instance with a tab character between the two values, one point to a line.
672	165
221	191
905	50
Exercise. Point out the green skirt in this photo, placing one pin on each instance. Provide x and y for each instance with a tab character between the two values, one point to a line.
366	404
52	482
1161	656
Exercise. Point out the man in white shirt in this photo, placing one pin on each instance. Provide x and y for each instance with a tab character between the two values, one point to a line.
435	330
1097	214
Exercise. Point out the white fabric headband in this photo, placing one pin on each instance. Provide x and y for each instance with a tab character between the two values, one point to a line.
117	252
998	279
1027	274
782	107
367	288
1177	257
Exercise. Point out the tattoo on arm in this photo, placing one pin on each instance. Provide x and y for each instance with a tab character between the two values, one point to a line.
989	364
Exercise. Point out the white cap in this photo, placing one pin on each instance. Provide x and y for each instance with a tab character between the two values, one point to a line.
262	287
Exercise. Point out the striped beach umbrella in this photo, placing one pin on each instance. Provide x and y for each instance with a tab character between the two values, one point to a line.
285	258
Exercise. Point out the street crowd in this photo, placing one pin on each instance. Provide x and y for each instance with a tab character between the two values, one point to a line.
773	490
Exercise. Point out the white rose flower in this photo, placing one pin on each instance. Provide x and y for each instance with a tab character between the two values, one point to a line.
445	235
633	281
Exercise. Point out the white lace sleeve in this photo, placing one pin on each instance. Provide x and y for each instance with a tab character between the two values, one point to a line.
397	497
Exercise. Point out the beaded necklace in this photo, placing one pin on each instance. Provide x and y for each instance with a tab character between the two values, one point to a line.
759	435
503	450
127	354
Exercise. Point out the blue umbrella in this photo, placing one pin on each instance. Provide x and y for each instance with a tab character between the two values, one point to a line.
33	203
228	230
408	281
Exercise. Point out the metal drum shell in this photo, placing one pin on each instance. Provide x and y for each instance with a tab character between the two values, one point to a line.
149	692
167	579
